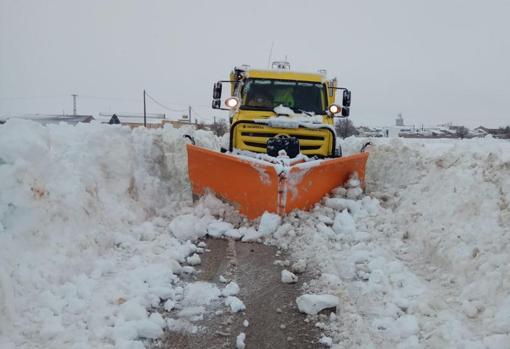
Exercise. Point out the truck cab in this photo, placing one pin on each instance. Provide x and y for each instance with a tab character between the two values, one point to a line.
278	109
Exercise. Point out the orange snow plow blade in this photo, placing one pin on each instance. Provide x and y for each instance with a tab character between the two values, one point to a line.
309	182
254	186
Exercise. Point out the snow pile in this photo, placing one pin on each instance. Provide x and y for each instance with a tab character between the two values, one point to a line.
97	228
422	260
84	233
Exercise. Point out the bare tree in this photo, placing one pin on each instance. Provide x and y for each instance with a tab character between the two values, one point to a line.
462	132
200	126
219	128
344	128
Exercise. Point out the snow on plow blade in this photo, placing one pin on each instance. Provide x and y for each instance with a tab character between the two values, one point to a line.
254	186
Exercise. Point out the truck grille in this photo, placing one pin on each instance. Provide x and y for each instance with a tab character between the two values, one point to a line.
259	139
272	134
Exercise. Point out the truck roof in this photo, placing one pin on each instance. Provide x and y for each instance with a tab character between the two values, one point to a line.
285	75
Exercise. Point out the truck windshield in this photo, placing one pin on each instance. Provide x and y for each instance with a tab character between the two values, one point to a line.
300	96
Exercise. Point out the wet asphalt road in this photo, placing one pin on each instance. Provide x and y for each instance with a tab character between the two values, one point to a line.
274	321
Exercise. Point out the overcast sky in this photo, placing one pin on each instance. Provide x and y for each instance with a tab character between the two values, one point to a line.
435	61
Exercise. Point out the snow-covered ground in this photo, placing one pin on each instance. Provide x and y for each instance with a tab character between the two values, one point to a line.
97	229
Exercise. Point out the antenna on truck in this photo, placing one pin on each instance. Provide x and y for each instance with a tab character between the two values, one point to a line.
270	54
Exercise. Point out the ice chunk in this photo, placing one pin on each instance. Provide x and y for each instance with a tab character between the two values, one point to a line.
299	267
339	192
326	341
314	303
235	304
323	229
249	234
240	341
231	289
246	323
288	277
194	259
269	223
184	227
340	204
217	229
354	193
169	305
353	182
233	233
344	223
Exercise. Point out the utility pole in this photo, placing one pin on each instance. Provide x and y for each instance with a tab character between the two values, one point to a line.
189	113
74	103
144	111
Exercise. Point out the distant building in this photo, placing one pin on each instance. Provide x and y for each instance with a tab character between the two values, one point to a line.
46	119
134	120
152	120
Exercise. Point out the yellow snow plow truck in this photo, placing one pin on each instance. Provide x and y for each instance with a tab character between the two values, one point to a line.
283	152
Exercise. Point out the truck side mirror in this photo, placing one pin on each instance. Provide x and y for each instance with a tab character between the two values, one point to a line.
217	90
346	112
216	104
346	102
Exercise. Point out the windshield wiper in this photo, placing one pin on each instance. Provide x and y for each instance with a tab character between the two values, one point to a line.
302	111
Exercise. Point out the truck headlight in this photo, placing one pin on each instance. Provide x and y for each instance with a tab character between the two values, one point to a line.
232	102
334	109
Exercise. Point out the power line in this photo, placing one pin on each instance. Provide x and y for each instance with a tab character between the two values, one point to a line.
164	106
134	100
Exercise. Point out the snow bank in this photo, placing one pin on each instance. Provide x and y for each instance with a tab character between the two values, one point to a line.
421	260
96	227
84	232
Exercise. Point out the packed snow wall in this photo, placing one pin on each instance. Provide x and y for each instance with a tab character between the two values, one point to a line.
448	213
71	198
452	196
